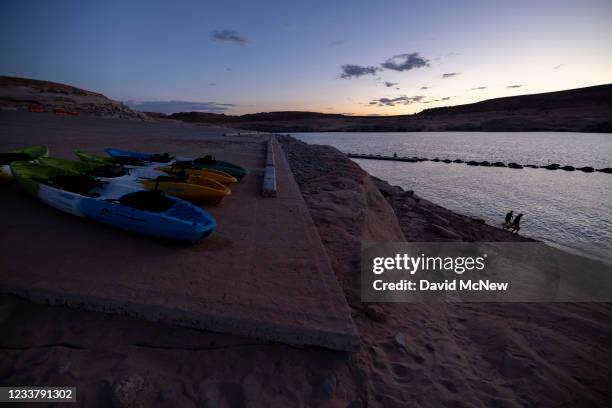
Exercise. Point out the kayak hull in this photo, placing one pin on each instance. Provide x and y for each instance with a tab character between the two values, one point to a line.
189	191
217	175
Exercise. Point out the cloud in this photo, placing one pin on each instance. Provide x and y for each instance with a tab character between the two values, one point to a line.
400	100
558	66
390	84
479	88
405	62
425	87
450	75
335	43
446	98
515	86
179	106
228	36
355	71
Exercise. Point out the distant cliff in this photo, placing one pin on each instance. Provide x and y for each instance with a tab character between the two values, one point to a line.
22	93
578	110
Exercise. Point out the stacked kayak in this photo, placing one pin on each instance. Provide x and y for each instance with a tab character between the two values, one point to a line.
207	162
193	188
119	205
25	154
174	169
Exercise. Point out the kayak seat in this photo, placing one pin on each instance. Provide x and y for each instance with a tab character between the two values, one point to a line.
160	158
153	201
184	164
129	160
91	195
8	158
75	184
208	159
109	171
168	179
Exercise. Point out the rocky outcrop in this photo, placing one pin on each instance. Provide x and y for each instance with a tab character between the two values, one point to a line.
24	94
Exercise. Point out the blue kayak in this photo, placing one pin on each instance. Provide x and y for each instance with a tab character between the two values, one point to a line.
207	162
145	212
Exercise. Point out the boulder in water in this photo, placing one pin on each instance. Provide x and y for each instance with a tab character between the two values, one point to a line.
605	170
472	163
514	166
553	166
568	168
498	164
485	163
586	169
457	161
446	161
436	160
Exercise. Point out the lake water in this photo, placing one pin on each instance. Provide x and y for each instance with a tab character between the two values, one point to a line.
571	210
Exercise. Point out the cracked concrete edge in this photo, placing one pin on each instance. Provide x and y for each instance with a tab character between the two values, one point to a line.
291	335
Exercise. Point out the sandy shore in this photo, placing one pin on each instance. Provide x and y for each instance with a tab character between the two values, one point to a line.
450	355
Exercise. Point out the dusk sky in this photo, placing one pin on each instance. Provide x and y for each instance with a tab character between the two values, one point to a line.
354	57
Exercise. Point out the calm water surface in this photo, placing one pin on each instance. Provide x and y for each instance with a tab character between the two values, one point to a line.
571	210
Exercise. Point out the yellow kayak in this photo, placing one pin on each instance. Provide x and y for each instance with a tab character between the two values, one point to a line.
213	174
194	188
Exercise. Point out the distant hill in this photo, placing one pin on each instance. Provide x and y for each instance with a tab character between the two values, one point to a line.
20	93
204	117
592	96
579	110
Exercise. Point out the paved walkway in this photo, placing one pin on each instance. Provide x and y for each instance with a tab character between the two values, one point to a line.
264	273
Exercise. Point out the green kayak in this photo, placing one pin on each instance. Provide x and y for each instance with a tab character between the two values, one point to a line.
23	154
72	166
94	158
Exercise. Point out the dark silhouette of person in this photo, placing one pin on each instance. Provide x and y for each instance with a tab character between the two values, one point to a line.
516	224
509	217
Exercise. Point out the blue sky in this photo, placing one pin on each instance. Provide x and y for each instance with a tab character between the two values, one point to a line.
251	56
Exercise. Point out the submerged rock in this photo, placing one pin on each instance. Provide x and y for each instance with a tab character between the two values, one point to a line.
457	161
485	163
472	163
446	161
498	164
568	168
586	169
605	170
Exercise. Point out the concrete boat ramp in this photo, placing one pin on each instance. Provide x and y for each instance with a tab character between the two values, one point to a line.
264	273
